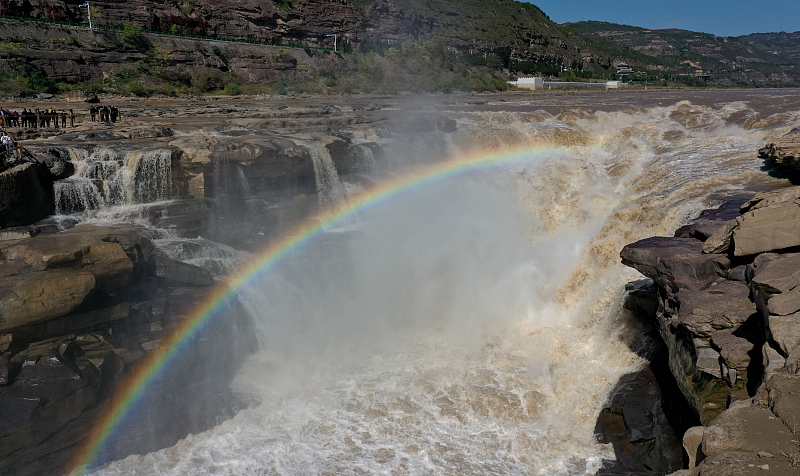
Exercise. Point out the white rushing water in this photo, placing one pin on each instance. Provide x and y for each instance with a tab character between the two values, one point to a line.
472	326
330	189
107	178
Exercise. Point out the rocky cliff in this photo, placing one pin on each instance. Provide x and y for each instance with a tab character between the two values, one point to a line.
78	311
500	34
725	303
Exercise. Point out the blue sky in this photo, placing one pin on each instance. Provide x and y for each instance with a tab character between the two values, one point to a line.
721	17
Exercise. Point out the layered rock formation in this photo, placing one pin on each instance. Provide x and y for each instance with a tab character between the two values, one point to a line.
74	55
78	311
784	153
725	306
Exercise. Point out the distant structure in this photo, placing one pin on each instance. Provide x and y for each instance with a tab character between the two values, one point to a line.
624	68
539	83
532	83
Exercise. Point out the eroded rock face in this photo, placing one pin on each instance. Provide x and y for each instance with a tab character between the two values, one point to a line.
634	422
695	303
784	152
733	332
79	310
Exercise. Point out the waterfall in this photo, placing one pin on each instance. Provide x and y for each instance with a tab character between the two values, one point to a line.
151	174
108	178
473	326
329	188
77	194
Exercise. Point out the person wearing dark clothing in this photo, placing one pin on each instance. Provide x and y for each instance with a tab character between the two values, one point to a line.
114	114
63	120
71	118
93	113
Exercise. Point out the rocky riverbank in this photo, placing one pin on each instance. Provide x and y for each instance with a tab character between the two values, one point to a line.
128	226
723	295
78	311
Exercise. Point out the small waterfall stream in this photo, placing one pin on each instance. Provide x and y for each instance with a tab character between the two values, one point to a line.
330	189
106	178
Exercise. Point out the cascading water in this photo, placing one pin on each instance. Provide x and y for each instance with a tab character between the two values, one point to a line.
472	326
330	189
110	178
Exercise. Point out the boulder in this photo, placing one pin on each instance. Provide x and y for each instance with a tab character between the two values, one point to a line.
785	304
785	333
679	262
51	390
747	429
634	422
57	160
42	296
722	238
26	194
739	463
784	399
767	229
777	274
110	266
723	305
692	440
786	196
733	350
784	152
773	361
714	221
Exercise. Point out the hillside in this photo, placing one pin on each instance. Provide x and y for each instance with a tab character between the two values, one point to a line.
146	47
768	59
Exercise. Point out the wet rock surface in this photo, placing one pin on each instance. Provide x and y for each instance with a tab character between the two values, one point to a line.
727	313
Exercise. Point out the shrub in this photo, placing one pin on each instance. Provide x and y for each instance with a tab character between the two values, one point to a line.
232	89
133	36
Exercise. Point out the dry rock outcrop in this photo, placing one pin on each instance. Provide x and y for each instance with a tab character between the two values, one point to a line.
784	152
78	311
727	307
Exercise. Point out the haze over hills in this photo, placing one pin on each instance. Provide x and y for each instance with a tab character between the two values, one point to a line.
442	45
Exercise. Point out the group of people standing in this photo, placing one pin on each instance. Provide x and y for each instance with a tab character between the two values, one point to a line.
107	114
34	119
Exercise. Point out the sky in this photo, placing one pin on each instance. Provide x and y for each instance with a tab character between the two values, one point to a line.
720	17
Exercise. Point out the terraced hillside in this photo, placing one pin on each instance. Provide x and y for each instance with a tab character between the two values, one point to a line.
765	59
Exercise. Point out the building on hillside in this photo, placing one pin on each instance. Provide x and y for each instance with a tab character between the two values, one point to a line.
624	69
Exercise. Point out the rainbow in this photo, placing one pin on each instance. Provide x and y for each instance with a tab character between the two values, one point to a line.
134	387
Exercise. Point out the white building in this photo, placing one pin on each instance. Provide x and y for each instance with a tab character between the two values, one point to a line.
532	83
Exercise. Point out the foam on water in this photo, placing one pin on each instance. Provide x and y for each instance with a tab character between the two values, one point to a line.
473	327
